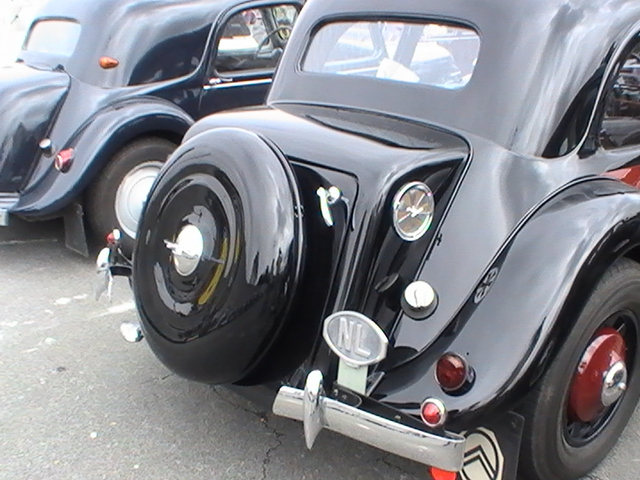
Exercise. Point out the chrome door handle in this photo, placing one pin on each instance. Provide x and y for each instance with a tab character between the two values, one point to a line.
219	80
328	196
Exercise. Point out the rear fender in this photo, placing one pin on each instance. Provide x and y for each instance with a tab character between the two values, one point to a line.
525	306
95	143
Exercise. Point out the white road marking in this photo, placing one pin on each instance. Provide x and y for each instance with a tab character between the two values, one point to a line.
26	242
122	308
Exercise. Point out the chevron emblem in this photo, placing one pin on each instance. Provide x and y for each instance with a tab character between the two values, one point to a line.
483	458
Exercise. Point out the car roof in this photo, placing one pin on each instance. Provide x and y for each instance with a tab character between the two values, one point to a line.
127	29
535	57
97	11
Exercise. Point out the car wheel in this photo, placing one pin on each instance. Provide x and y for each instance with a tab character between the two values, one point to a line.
116	199
581	406
219	255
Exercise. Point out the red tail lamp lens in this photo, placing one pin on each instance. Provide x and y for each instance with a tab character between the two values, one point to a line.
433	412
63	160
114	237
439	474
108	62
452	372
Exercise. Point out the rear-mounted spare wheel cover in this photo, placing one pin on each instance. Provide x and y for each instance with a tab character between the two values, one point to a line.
218	256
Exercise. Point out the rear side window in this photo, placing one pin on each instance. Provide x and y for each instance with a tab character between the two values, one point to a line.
58	37
621	123
253	40
432	54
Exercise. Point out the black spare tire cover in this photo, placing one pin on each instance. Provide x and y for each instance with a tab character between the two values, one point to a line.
213	298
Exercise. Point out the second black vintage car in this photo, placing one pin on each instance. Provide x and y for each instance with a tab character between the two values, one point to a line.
423	240
103	91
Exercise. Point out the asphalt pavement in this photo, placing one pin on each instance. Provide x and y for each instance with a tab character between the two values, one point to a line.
78	402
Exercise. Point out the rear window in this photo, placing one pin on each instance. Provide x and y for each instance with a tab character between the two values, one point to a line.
58	37
432	54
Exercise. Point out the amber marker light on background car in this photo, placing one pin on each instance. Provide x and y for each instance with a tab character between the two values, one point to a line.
108	62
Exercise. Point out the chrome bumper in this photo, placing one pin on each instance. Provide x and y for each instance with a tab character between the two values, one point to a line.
7	201
317	411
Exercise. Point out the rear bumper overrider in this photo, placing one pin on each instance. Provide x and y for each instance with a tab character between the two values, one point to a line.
7	202
317	411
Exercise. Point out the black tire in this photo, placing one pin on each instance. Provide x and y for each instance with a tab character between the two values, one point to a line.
100	202
549	450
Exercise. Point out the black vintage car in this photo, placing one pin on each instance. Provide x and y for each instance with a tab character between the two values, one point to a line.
103	91
428	240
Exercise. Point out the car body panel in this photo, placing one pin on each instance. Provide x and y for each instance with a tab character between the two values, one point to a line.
95	143
491	178
33	98
116	33
526	309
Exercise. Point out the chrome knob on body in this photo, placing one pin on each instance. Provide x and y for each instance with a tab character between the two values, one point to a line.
328	197
419	300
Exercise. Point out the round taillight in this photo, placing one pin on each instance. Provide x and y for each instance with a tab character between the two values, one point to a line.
114	237
63	160
439	474
433	412
453	372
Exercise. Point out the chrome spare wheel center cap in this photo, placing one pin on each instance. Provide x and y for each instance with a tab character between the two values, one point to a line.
187	250
614	383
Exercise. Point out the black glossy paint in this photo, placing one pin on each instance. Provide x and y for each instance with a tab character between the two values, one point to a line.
32	99
231	308
158	89
542	223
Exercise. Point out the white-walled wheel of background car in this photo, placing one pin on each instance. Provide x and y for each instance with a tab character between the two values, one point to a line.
116	198
571	421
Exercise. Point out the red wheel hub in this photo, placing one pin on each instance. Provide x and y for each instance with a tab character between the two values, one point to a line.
600	379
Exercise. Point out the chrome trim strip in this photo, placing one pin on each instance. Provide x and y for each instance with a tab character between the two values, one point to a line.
441	451
242	83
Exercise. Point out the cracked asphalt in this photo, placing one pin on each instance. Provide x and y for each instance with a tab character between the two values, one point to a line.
78	402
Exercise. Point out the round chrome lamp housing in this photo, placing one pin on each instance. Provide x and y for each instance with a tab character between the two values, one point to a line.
413	208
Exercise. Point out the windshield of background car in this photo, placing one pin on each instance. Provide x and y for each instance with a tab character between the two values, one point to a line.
58	37
434	54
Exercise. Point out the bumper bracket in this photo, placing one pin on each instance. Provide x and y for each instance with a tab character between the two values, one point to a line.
442	450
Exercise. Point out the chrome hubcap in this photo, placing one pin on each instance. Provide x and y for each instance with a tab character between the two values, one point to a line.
187	250
614	383
132	193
